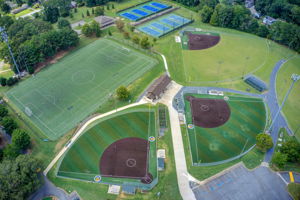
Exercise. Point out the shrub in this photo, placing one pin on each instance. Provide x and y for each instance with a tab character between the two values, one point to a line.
264	142
123	93
3	81
279	159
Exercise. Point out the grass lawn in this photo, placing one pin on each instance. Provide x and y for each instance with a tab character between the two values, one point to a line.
86	79
24	12
236	136
167	191
251	160
223	65
294	190
82	160
291	108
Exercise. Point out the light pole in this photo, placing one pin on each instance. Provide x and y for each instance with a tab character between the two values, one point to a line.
5	39
294	77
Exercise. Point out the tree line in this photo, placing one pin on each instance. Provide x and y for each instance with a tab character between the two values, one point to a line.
34	40
19	171
238	17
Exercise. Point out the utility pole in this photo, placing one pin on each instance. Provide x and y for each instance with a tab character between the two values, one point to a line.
295	78
4	36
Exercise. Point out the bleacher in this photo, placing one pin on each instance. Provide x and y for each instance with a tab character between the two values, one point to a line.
256	83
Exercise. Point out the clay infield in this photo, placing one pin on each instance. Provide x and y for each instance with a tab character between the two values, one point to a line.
209	113
126	158
202	41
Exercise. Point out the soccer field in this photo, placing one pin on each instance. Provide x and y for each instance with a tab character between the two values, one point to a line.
235	137
82	161
65	93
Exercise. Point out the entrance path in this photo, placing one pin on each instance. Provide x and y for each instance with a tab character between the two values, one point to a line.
180	161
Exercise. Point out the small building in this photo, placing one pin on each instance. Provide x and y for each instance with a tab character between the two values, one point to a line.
105	21
73	4
158	87
17	10
249	3
128	189
160	164
161	153
114	189
268	20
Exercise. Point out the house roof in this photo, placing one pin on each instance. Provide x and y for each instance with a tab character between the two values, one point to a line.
158	86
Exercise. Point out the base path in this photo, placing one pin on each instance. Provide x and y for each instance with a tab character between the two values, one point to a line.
78	133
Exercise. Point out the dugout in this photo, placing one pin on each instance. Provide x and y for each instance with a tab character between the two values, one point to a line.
256	83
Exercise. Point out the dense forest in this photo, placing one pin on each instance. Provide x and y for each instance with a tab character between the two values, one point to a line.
238	17
34	40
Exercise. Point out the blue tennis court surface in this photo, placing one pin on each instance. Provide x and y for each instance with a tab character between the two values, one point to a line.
144	10
163	25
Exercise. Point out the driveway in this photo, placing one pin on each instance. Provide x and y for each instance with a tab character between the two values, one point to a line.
240	183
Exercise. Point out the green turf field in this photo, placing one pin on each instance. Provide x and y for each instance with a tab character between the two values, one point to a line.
82	160
291	108
236	136
65	93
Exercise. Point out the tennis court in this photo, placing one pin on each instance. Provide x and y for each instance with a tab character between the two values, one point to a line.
84	160
163	25
144	10
64	94
227	141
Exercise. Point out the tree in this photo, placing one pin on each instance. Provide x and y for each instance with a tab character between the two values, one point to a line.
107	7
279	159
136	39
5	7
3	111
262	31
292	149
11	152
86	30
206	13
145	44
95	26
93	11
123	93
112	6
82	15
75	10
126	35
19	178
9	124
214	19
50	14
109	33
63	23
11	81
264	142
87	13
20	139
99	11
3	81
120	25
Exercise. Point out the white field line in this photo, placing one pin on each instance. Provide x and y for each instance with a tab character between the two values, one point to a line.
78	133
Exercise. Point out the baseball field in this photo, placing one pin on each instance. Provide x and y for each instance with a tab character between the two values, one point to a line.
120	148
222	128
63	94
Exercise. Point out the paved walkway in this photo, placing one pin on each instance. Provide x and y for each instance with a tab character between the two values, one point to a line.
272	101
78	133
180	161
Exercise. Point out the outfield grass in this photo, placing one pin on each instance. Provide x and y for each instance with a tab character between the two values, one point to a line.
65	93
82	160
291	108
251	160
236	136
